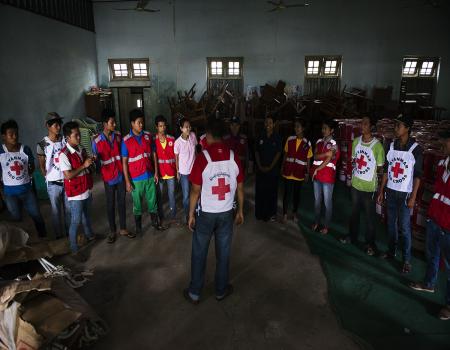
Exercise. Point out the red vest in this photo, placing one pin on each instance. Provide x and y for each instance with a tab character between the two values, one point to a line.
327	174
238	144
139	155
83	182
203	142
166	156
109	156
296	159
439	210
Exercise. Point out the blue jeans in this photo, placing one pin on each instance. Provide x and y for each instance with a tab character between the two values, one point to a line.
398	218
438	241
79	213
171	194
29	202
221	226
185	187
325	191
60	209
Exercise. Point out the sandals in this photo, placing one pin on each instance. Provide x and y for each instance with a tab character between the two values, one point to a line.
324	231
125	233
406	269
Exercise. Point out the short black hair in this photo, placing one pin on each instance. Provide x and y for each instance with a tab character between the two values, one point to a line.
215	127
68	127
332	124
182	121
107	114
135	114
301	121
160	118
9	124
372	119
270	116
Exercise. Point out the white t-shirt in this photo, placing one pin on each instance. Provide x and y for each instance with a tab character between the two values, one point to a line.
186	153
50	150
65	165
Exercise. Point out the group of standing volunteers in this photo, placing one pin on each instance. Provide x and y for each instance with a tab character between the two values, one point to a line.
400	168
211	177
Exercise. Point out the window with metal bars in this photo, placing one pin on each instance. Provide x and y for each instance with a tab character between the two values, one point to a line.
129	69
322	74
322	66
420	67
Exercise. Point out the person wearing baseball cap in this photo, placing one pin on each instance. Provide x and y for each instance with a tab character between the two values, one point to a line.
48	150
438	229
401	179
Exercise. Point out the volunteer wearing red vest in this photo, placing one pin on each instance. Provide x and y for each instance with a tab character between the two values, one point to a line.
297	153
167	167
323	171
216	176
106	146
438	229
75	163
140	169
237	142
202	142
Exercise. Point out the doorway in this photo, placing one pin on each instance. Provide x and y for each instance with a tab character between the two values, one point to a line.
129	99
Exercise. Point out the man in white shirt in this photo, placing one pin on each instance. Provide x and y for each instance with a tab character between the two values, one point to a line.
48	150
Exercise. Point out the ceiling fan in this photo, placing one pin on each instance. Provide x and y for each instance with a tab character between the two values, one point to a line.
280	5
140	5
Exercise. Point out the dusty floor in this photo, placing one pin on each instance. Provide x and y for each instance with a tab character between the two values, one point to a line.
280	298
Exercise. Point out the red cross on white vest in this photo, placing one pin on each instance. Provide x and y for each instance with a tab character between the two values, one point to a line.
221	189
397	169
361	162
17	167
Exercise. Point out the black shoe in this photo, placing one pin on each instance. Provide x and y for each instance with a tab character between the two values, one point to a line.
370	250
138	222
111	238
188	297
228	291
156	222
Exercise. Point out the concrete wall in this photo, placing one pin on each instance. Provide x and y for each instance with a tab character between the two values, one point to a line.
45	65
372	36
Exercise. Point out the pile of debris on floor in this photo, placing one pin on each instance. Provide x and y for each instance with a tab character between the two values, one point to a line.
222	101
40	309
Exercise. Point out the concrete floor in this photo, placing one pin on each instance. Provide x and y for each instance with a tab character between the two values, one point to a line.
280	299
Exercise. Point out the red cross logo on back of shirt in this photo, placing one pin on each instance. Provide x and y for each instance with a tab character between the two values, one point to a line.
397	169
221	189
361	162
17	167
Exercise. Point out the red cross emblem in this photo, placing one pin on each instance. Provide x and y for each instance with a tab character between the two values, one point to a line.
397	169
221	189
361	162
17	167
